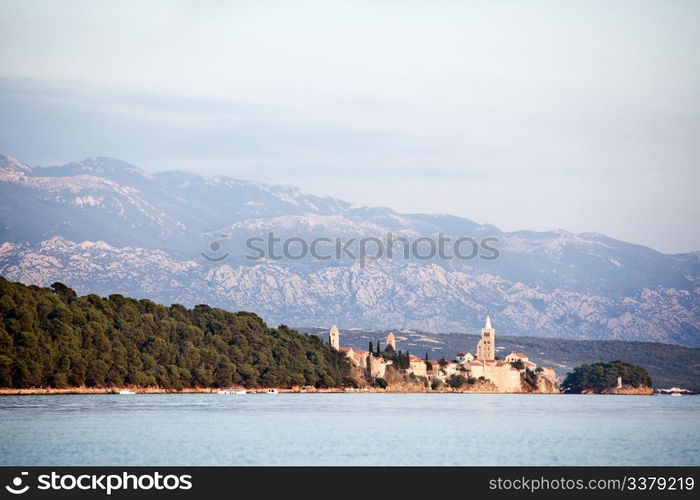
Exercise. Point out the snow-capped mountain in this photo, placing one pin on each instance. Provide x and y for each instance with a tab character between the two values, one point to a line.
104	226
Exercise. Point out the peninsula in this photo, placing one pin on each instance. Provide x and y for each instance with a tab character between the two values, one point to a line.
468	373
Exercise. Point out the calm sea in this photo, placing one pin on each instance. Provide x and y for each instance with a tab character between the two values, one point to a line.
353	429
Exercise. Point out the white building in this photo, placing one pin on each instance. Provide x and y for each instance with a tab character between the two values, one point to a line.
464	357
519	356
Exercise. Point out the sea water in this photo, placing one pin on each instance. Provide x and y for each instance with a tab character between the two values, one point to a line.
349	429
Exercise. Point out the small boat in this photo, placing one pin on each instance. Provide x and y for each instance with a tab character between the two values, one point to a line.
125	391
271	391
675	394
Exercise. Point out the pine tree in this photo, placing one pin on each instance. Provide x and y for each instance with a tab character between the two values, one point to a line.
371	350
379	348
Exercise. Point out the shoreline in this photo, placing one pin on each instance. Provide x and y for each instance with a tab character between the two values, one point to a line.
76	391
51	391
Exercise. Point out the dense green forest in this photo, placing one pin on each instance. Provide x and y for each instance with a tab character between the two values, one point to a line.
599	376
51	337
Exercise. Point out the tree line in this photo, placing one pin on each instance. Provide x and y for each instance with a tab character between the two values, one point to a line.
600	376
51	337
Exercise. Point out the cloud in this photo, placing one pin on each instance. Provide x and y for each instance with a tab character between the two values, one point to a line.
69	121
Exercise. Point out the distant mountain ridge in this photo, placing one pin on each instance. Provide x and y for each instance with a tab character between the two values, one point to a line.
102	225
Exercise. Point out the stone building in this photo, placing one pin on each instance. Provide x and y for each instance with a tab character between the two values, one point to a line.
519	356
417	366
378	366
443	371
359	358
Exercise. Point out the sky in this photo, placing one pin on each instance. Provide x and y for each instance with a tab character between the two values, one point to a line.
538	115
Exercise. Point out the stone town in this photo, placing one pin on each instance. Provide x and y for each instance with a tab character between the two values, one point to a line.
504	374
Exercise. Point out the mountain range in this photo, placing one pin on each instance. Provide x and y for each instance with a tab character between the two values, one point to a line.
103	226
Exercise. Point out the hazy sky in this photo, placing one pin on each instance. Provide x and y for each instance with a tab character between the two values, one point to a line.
526	115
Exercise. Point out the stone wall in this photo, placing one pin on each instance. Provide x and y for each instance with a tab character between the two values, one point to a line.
504	376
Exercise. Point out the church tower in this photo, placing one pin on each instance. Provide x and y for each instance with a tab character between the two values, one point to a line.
334	337
486	348
391	340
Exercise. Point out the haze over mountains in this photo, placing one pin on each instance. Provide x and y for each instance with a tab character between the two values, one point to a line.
104	226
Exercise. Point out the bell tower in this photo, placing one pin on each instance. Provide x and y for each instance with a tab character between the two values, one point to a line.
334	336
486	348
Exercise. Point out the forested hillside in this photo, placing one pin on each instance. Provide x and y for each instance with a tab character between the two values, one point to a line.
52	337
599	377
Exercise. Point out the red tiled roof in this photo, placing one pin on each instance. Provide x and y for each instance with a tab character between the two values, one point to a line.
346	349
